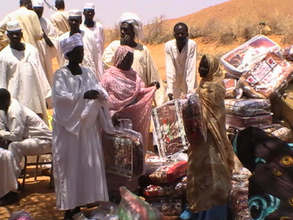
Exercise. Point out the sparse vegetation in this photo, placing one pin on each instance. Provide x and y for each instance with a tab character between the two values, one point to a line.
239	27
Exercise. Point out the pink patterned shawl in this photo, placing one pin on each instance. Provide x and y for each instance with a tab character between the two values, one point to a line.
129	98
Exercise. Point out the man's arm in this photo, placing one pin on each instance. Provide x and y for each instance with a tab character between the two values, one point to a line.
191	70
15	133
170	71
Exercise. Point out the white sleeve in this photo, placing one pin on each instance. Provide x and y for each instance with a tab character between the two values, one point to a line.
3	73
191	70
170	70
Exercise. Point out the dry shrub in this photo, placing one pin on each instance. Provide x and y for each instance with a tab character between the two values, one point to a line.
112	34
155	33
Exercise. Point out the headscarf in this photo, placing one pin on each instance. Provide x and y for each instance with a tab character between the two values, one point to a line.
120	54
212	94
68	44
135	21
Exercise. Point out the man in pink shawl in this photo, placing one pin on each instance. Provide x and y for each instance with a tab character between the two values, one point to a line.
128	96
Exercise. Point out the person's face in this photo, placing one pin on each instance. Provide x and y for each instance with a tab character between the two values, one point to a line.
203	68
74	22
76	55
180	33
14	36
126	62
127	33
39	11
89	14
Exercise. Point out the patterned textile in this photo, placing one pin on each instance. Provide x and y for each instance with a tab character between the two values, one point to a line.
128	98
123	153
271	162
169	128
215	155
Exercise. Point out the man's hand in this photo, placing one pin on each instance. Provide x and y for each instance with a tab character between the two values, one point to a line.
115	120
4	143
171	97
155	83
91	94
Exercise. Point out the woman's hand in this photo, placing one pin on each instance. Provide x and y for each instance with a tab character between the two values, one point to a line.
155	83
91	94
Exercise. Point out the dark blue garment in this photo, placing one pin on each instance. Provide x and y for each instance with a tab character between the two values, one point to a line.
215	213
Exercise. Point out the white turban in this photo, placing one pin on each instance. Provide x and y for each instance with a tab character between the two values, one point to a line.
68	44
89	6
38	3
13	26
134	20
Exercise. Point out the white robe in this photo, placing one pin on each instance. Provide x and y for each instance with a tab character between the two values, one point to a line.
180	68
29	22
47	53
143	64
8	179
97	33
91	51
60	21
79	168
28	133
21	73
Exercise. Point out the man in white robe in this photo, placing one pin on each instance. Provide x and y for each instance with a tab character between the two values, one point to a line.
95	29
8	179
28	20
46	46
80	114
26	133
22	74
180	54
60	18
89	43
131	30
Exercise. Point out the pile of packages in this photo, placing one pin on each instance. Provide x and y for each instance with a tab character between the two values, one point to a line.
255	73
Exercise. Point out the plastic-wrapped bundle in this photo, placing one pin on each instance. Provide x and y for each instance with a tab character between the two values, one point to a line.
279	131
247	107
124	153
241	122
173	190
242	58
267	77
230	86
169	207
168	123
105	211
169	173
133	207
239	195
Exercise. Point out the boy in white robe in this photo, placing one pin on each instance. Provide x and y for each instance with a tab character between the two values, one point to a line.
180	54
80	113
95	29
89	43
21	72
46	47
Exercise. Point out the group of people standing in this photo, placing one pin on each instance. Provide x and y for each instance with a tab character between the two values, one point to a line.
90	91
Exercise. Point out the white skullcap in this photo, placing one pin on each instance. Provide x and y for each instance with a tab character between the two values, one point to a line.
75	13
68	44
133	19
13	26
89	6
38	3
